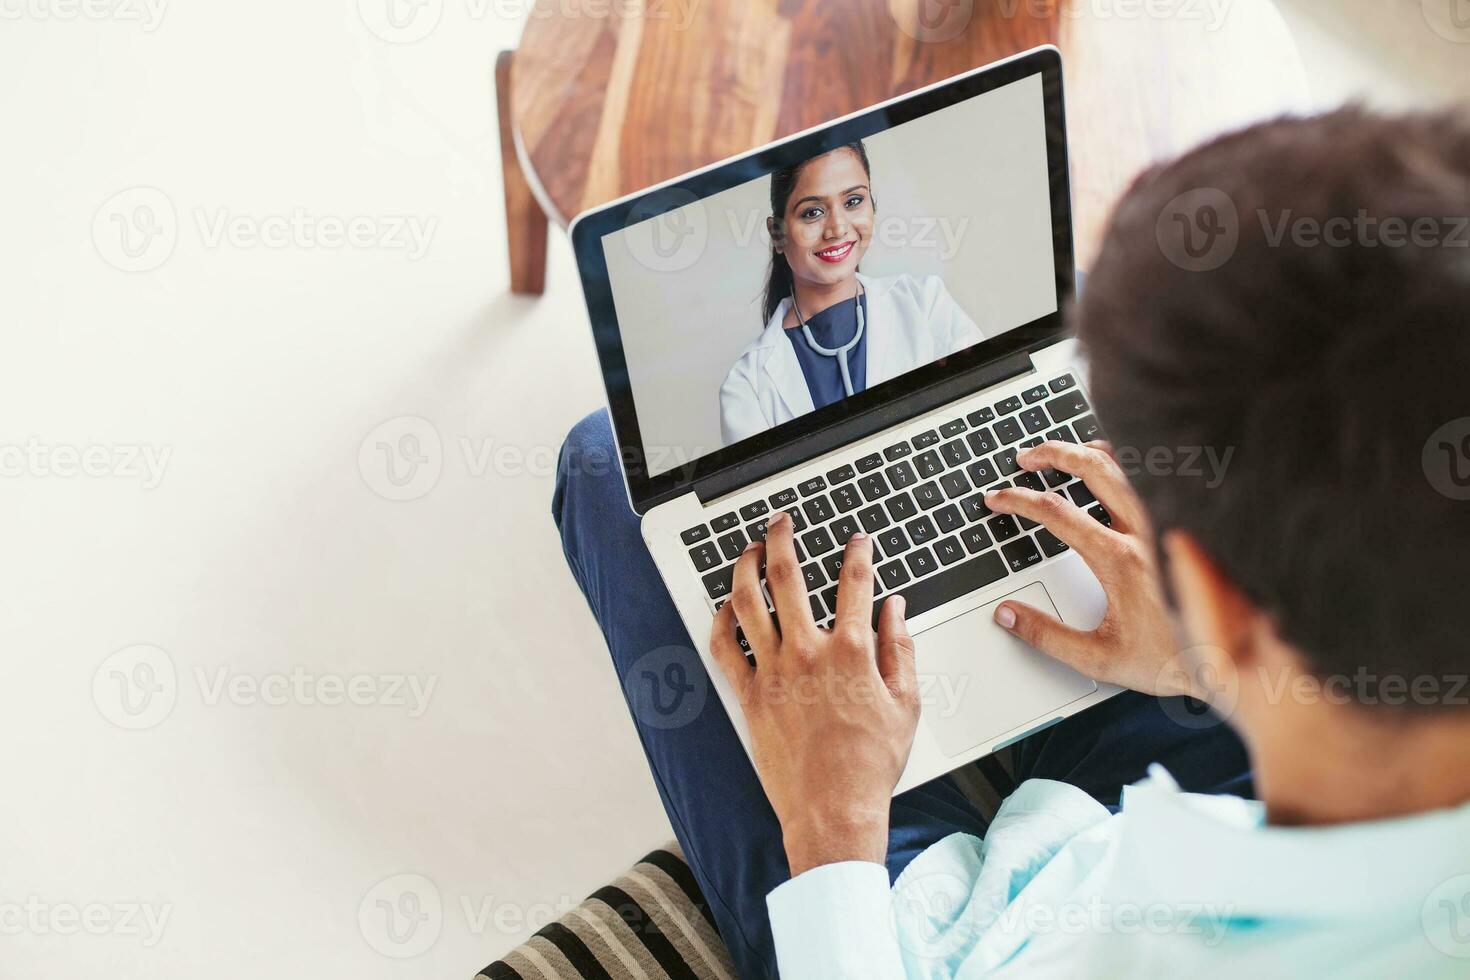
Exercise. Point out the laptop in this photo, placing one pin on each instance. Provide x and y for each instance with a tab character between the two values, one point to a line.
861	325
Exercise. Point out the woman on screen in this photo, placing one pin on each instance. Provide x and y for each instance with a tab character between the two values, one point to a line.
831	332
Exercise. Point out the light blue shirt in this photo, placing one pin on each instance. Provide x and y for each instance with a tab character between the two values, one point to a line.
1176	885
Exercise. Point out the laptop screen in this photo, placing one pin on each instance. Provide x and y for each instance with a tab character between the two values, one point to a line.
830	280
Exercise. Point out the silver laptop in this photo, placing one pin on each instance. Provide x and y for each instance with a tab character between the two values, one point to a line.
861	325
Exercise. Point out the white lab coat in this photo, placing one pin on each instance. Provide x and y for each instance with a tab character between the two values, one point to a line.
910	322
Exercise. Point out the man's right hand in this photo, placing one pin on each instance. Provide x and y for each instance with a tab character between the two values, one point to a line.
1135	645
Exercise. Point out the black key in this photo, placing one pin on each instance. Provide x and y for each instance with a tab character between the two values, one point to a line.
948	518
901	507
975	538
928	495
1051	545
784	499
893	575
975	508
981	417
921	530
840	475
818	613
704	557
733	544
833	565
1068	406
1008	431
812	574
874	518
1004	527
819	510
757	531
1061	434
981	473
1030	443
798	523
1034	419
1087	428
1009	405
720	583
1081	496
829	598
949	550
897	451
951	429
811	486
954	452
953	582
724	522
1054	478
800	552
921	562
818	541
873	486
893	542
754	509
925	439
1101	515
695	534
955	484
844	528
1030	481
1021	554
846	498
901	475
1034	395
928	464
1027	524
1064	383
1005	462
869	462
982	441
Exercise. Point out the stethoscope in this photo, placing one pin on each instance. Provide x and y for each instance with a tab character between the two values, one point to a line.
838	352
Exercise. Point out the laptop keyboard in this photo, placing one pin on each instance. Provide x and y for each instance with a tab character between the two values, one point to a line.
922	501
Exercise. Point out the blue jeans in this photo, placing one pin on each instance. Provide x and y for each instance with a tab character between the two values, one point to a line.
719	812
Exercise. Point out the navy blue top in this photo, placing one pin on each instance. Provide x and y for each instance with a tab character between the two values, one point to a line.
832	328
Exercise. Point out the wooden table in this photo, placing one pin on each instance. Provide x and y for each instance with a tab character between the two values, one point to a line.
604	97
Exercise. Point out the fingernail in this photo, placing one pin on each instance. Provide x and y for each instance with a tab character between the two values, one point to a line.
752	546
1005	616
860	536
779	518
901	603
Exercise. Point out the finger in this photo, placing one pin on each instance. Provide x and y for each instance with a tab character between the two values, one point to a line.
855	584
784	578
1077	529
750	603
1073	647
1098	470
727	653
896	647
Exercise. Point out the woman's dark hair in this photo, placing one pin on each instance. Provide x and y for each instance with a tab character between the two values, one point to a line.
783	182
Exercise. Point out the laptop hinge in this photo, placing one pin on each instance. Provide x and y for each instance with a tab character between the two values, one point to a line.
857	427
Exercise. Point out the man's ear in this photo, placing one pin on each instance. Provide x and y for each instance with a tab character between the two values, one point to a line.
1213	610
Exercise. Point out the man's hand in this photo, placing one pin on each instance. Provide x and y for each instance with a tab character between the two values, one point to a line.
832	712
1134	645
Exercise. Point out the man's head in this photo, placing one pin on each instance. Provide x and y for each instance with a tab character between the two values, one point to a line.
1279	332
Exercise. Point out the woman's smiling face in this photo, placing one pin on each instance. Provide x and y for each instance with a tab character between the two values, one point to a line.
829	219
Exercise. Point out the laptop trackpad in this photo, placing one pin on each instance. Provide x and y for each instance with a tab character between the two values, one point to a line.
982	682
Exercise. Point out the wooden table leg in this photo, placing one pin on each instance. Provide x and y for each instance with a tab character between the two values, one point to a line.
525	223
